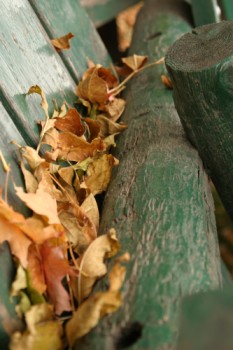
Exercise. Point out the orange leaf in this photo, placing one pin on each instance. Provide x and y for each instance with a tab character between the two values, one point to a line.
71	122
63	42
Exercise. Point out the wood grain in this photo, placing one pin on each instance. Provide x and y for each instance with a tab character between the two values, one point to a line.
59	18
159	202
201	68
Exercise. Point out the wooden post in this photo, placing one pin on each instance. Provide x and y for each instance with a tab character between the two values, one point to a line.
159	202
201	68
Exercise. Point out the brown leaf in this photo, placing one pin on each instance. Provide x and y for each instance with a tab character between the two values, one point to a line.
92	263
37	90
90	207
135	62
35	269
93	128
97	306
99	173
63	42
32	157
115	108
93	88
90	312
30	181
80	229
74	148
108	127
71	122
166	81
51	138
108	77
41	203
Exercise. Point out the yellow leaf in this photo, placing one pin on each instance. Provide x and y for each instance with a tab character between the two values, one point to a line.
43	331
41	203
32	157
30	181
99	173
92	263
63	42
135	62
90	207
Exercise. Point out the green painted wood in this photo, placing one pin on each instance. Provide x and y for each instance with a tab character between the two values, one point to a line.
206	321
9	322
102	11
10	133
226	276
159	202
28	58
205	12
61	17
200	65
227	7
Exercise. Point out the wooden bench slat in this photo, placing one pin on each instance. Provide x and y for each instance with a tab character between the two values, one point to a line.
159	202
61	17
27	59
103	11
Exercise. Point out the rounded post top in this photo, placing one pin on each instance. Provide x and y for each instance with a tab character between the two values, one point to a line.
203	48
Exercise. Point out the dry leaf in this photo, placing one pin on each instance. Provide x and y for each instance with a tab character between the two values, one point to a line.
43	332
80	229
90	312
71	122
90	207
74	148
93	128
167	81
41	203
92	263
62	43
135	62
93	88
30	181
99	173
97	306
37	90
32	157
108	127
35	269
115	108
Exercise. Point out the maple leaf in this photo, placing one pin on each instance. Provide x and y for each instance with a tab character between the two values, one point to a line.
92	265
97	306
63	42
99	173
43	332
48	266
41	203
71	122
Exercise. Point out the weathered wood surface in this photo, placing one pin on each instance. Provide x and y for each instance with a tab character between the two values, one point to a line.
211	324
28	58
102	11
200	65
59	18
160	203
205	12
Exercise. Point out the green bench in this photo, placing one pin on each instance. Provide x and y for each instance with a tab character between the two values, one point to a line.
159	199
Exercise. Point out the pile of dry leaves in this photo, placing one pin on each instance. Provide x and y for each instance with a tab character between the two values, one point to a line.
58	250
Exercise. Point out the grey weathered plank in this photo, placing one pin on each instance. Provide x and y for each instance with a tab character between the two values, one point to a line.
27	59
102	11
159	201
10	133
61	17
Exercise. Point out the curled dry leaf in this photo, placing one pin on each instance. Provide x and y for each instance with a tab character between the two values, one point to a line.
135	62
97	306
166	81
63	42
74	148
99	173
32	157
114	108
41	203
108	127
43	331
37	90
71	122
80	229
92	263
30	181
